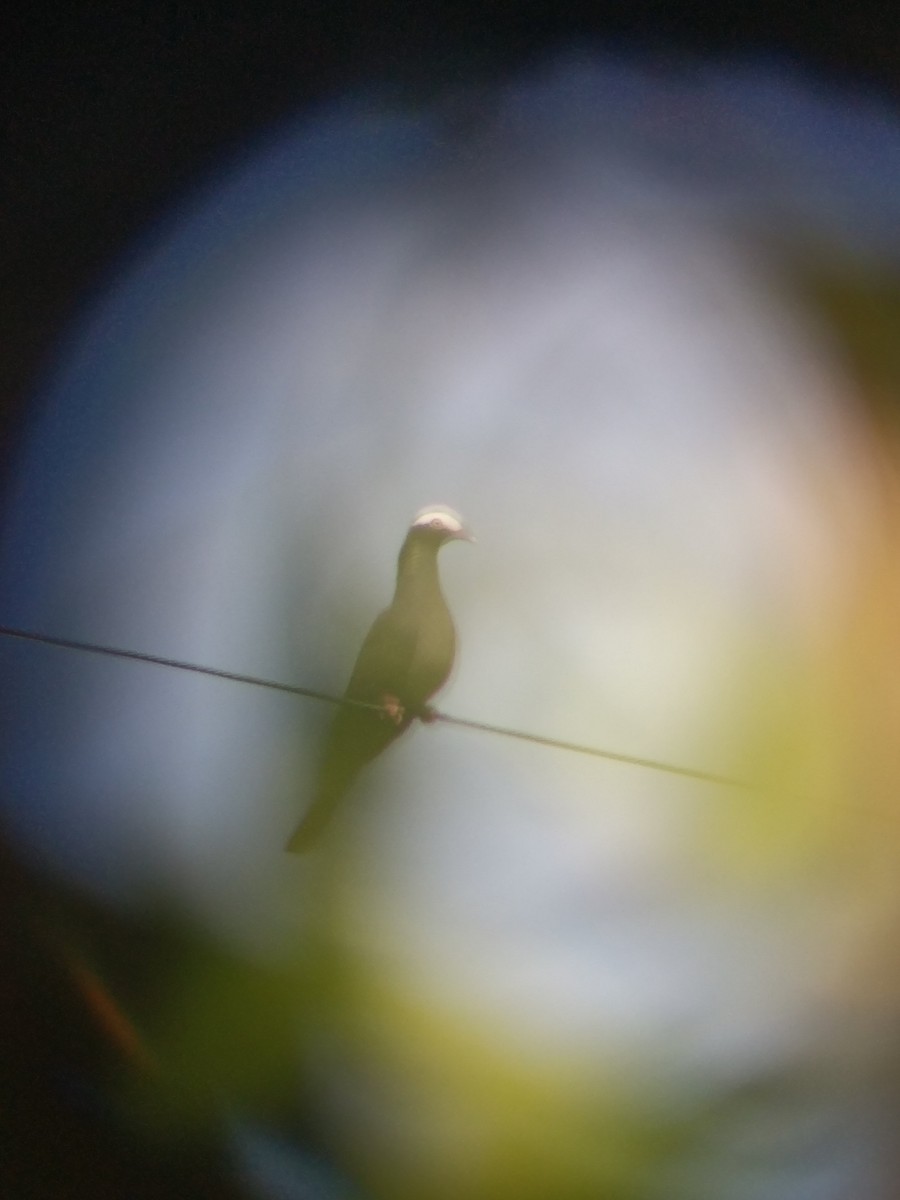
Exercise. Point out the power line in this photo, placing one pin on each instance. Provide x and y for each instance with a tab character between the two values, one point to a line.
293	689
634	760
157	660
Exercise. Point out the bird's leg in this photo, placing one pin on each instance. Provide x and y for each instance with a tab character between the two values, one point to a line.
392	708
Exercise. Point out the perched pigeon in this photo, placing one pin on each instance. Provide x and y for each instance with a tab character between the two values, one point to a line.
406	656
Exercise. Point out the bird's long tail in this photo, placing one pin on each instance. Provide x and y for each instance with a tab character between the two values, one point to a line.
315	820
353	740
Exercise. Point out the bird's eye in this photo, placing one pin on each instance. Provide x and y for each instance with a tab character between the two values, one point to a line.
437	523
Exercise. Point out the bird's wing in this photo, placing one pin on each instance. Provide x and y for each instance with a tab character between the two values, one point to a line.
385	658
355	735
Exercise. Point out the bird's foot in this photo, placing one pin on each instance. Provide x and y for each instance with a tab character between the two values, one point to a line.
427	714
392	709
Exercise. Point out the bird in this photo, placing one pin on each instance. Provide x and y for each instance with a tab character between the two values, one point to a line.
405	658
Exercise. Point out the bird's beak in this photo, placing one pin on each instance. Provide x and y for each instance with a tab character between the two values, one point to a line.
465	535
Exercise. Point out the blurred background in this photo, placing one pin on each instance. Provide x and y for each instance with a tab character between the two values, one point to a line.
622	289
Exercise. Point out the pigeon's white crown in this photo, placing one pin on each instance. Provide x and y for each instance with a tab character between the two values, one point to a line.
438	516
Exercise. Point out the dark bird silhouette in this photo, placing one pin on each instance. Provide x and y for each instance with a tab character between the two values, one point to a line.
405	658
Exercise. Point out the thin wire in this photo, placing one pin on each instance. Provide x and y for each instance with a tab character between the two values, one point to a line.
292	689
634	760
157	660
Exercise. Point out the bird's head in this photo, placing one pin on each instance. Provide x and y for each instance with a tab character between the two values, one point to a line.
439	524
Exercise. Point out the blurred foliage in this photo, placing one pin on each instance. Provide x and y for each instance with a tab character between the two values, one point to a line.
221	1034
859	303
